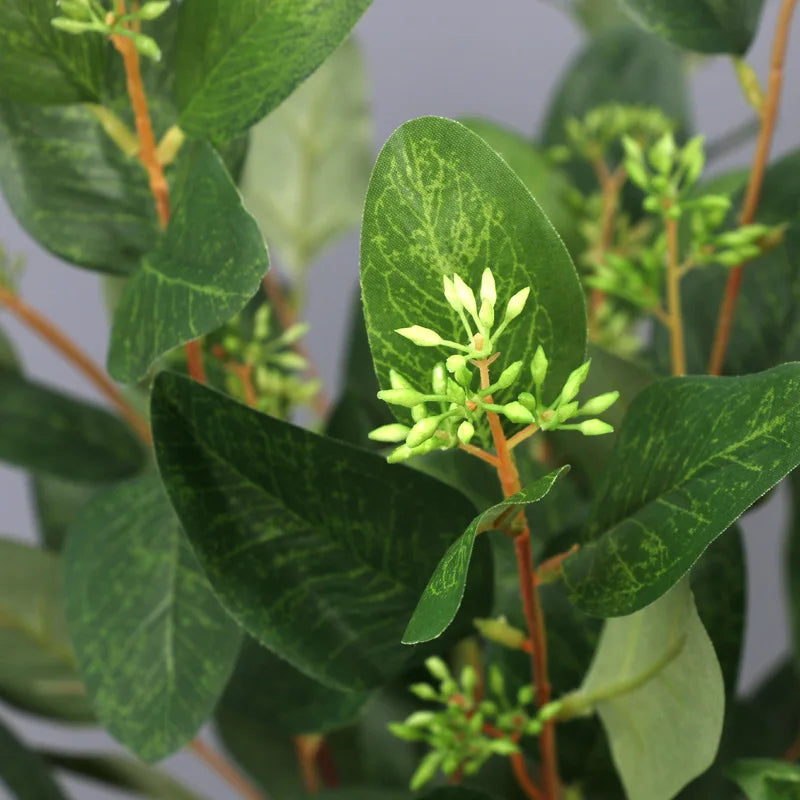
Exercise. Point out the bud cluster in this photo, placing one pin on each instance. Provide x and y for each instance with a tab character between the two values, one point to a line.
269	361
468	729
90	16
453	410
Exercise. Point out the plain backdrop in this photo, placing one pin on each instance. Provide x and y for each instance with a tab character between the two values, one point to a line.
446	57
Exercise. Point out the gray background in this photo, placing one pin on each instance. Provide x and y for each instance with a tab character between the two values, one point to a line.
446	57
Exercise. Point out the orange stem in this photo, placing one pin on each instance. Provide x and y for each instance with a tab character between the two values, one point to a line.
307	748
769	119
524	779
70	350
478	453
225	770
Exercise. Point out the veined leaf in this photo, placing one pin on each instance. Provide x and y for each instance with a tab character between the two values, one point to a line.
441	201
681	474
24	772
154	645
205	268
654	674
57	503
325	547
71	187
40	64
308	164
709	26
38	672
765	779
44	430
238	61
442	597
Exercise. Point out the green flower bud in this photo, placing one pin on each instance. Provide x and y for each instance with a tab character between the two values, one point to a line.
550	711
693	159
476	723
525	695
466	430
405	733
72	25
729	258
397	381
389	433
463	377
497	682
426	770
153	9
438	668
533	728
574	382
528	400
503	747
424	691
652	204
662	154
488	288
638	174
439	379
147	47
516	412
401	397
486	315
76	9
419	412
509	375
422	431
454	363
402	453
539	366
290	361
451	295
516	304
293	334
422	337
595	427
469	679
566	411
455	392
420	719
599	404
465	295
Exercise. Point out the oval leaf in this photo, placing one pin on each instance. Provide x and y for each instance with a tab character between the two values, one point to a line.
325	547
441	201
205	268
238	60
154	645
43	430
24	772
442	597
682	472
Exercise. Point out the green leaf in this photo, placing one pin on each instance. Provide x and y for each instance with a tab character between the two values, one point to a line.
295	704
23	771
307	169
709	26
238	61
37	667
154	645
39	64
765	779
442	201
597	15
326	547
656	684
8	356
121	773
204	269
622	65
72	189
543	180
793	562
442	597
456	793
44	430
683	472
57	503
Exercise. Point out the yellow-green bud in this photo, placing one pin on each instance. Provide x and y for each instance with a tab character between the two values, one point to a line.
422	431
437	667
426	770
422	337
390	433
439	379
595	427
486	314
424	691
153	9
454	363
466	430
451	295
147	47
76	9
599	404
401	397
528	400
566	411
465	295
488	288
516	412
469	679
290	361
294	334
539	365
516	304
402	453
693	158
574	382
509	375
498	630
71	25
419	412
662	154
397	381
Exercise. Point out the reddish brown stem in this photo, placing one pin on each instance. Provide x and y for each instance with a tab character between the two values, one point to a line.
226	771
524	779
70	350
307	749
769	119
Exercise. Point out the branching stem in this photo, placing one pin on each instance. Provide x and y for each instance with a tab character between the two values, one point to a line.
226	771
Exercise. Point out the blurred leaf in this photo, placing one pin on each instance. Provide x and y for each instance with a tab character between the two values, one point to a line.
308	165
24	772
72	189
207	265
8	356
57	503
238	61
154	645
765	779
38	672
598	15
326	549
41	429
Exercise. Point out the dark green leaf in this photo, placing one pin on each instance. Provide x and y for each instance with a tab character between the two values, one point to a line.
622	65
456	793
154	645
265	686
57	503
23	771
72	189
238	61
37	667
442	597
205	268
765	779
43	430
709	26
308	165
326	547
39	64
681	474
121	773
441	201
793	561
8	356
543	180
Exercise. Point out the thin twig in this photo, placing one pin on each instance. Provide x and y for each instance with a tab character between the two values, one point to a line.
478	453
677	346
769	121
226	770
519	438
